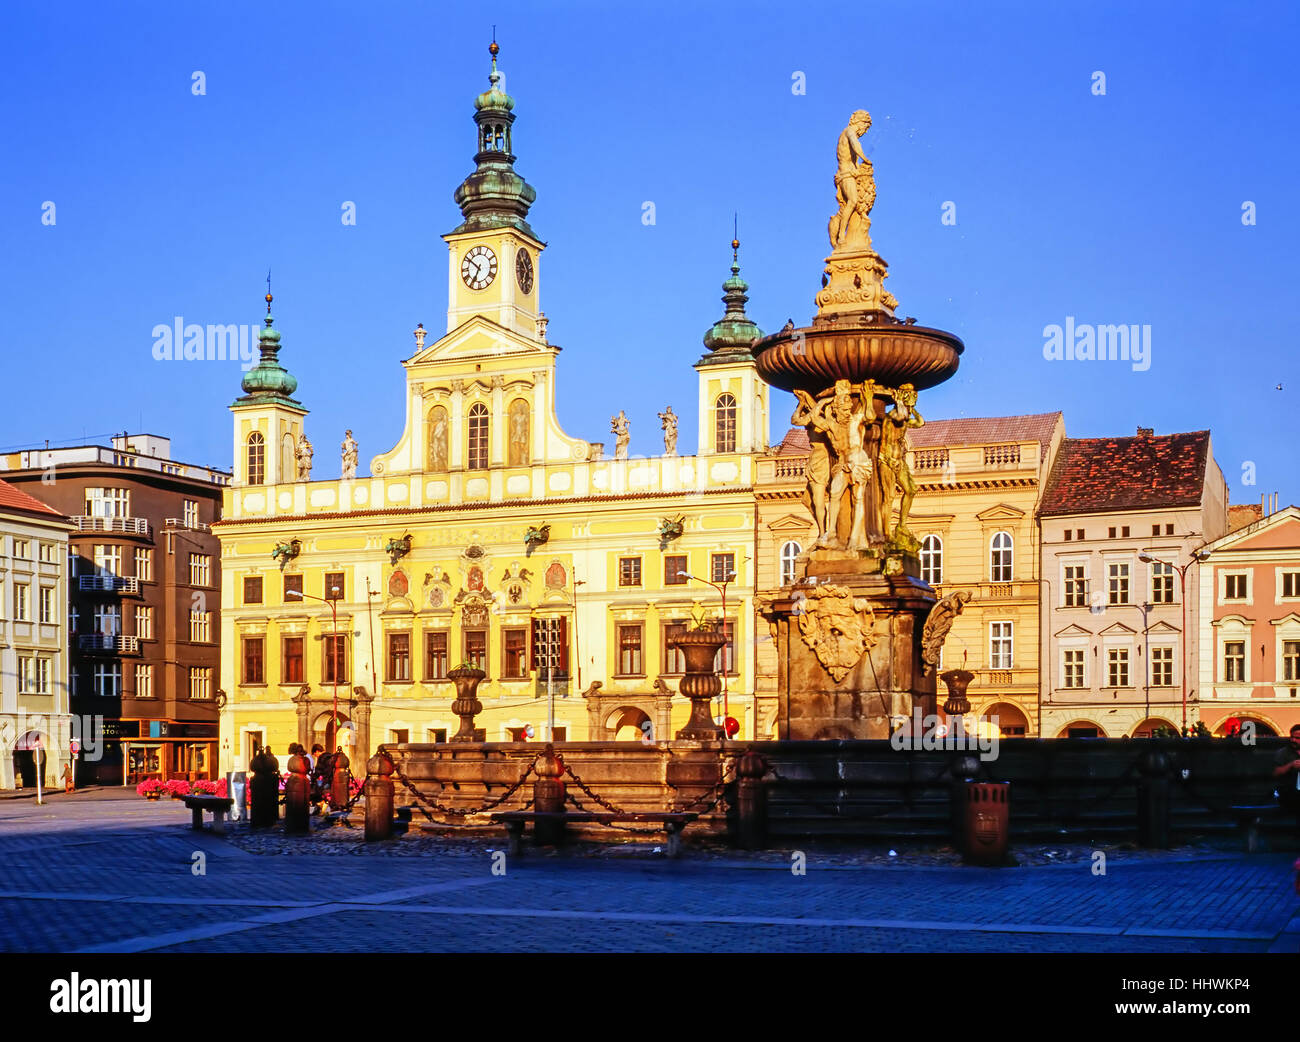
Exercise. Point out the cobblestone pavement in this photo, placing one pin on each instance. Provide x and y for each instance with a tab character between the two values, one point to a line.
105	871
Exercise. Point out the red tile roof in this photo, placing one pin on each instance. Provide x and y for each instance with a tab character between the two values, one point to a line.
986	430
1092	475
15	499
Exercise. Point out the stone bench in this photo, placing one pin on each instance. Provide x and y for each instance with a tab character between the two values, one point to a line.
217	806
671	822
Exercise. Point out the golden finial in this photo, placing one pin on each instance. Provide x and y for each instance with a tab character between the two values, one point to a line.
735	238
268	291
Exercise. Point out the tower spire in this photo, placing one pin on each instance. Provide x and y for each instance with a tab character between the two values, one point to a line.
732	335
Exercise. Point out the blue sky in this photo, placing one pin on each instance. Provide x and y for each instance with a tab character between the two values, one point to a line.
1122	208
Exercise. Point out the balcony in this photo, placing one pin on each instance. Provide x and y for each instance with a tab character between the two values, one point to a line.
109	642
930	459
193	526
109	583
125	525
1001	455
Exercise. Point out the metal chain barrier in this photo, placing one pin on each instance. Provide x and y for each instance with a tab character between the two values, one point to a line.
421	798
570	798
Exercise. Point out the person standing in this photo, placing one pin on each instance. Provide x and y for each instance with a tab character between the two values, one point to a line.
1286	772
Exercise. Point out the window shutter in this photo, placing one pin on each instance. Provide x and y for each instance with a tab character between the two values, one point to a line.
536	640
563	636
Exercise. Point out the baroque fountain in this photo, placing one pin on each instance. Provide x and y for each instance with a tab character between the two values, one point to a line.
858	633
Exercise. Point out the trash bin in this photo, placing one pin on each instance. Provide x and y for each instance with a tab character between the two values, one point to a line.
987	821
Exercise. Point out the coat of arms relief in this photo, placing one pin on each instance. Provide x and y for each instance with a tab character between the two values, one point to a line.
837	626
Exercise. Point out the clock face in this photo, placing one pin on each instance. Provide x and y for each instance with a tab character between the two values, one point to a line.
524	270
479	267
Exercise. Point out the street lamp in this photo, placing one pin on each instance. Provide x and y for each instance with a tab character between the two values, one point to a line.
1146	557
722	589
333	602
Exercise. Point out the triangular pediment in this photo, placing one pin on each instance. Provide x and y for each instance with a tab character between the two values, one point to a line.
791	523
1118	629
1163	629
480	339
1001	512
1073	630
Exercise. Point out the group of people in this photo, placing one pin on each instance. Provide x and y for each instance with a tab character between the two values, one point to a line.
320	770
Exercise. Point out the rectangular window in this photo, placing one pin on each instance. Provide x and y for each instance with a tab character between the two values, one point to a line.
334	662
674	660
291	660
108	502
436	734
1169	529
191	513
476	649
1124	532
26	673
1155	529
108	619
334	589
1162	667
515	664
1162	583
1234	587
106	679
47	553
200	569
42	675
550	651
252	589
200	626
399	735
144	564
629	651
144	681
1076	586
293	589
1117	591
1117	667
629	571
725	660
108	559
22	549
1291	660
399	657
999	645
144	622
254	660
200	683
435	655
1234	662
1072	668
723	567
45	604
1111	532
22	596
1069	534
1291	584
675	568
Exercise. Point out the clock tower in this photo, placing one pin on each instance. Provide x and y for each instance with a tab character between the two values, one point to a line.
494	253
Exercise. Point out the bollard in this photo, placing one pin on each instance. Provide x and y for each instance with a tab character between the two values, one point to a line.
962	769
379	797
297	796
987	823
264	790
751	801
1153	798
339	790
549	795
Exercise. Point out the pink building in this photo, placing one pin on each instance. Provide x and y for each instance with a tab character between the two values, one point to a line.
1250	640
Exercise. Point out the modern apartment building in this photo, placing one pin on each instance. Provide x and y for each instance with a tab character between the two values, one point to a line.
143	616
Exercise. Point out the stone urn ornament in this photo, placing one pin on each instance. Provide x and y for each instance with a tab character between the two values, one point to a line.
467	678
700	682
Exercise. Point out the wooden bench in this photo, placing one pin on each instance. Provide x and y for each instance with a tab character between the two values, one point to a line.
1248	817
672	823
217	806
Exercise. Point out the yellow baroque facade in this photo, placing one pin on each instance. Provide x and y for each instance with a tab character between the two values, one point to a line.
487	535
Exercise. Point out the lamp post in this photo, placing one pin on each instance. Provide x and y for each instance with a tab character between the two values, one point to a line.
333	602
722	589
1146	557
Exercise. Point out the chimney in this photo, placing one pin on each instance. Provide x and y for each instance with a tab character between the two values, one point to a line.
1145	432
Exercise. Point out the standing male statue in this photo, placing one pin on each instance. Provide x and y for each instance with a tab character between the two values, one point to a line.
619	425
349	456
855	186
895	475
669	424
817	471
303	454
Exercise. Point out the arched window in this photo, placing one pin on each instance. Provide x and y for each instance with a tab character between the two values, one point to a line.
1000	558
256	458
724	424
932	560
789	554
478	437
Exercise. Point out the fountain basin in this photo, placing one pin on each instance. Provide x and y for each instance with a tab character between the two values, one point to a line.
812	359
